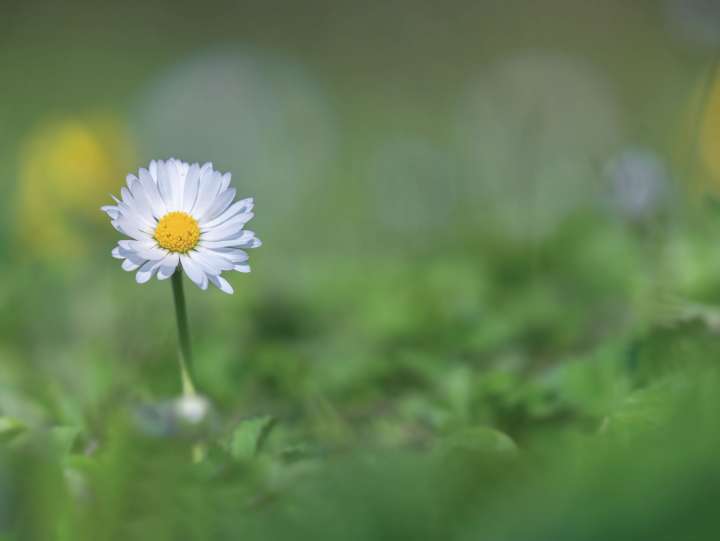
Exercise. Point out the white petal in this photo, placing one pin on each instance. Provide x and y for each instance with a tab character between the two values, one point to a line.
146	271
131	209
151	191
240	219
211	263
168	266
122	253
206	265
126	196
207	191
242	206
143	207
225	182
193	271
129	227
222	202
130	180
222	284
153	170
155	253
246	239
111	211
225	231
165	186
145	249
191	188
242	268
133	245
231	254
176	175
132	264
182	167
133	220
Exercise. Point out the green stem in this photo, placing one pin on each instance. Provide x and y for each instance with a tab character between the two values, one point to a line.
184	352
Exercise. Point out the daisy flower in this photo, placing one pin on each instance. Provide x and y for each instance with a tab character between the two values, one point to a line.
182	215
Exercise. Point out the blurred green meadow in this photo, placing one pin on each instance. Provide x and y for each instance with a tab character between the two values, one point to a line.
487	305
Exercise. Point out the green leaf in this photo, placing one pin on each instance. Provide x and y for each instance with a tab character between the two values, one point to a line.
481	441
644	410
248	437
63	437
9	428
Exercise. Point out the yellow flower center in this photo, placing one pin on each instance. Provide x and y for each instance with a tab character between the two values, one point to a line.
177	232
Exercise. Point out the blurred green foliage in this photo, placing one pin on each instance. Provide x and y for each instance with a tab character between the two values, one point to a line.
421	403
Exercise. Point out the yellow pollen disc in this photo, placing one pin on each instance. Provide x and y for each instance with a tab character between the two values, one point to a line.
177	232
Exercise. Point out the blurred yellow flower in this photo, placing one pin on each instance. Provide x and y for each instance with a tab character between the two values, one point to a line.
66	169
710	134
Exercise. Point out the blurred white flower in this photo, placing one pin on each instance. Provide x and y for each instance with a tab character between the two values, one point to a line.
179	214
188	416
258	114
191	408
532	130
640	183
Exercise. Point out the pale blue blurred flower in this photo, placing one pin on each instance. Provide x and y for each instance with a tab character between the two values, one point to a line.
640	183
695	21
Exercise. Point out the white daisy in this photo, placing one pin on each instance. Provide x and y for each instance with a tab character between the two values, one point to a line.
181	214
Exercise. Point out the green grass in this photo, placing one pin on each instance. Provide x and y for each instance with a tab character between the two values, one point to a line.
503	392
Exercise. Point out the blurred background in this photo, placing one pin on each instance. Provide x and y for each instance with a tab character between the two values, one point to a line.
488	285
